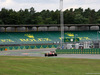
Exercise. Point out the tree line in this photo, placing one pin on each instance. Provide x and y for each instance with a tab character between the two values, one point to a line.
30	16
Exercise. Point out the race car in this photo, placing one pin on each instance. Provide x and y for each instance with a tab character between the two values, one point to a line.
52	53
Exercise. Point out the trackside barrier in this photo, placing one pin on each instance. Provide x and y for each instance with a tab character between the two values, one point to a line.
2	48
30	47
78	51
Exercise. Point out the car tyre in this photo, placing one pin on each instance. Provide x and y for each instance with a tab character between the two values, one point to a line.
55	54
45	55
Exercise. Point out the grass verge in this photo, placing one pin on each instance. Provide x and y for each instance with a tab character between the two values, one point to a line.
23	65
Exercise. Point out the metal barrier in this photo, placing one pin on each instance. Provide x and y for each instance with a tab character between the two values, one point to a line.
78	51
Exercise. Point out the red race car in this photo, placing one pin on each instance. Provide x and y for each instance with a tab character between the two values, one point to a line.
52	53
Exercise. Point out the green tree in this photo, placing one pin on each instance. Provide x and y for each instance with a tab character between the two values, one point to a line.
98	17
69	17
4	14
1	22
55	15
13	17
30	16
79	19
39	20
92	17
78	11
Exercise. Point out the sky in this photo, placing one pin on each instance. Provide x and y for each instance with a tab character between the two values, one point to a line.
40	5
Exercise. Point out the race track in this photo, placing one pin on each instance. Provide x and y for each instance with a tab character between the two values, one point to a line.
40	53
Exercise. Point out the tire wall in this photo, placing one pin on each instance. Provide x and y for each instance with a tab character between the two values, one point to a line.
30	47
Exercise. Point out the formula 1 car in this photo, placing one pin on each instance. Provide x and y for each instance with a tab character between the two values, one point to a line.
52	53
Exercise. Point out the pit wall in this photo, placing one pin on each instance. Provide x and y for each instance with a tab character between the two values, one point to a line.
27	47
78	51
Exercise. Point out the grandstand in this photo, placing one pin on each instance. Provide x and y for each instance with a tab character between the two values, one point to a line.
43	39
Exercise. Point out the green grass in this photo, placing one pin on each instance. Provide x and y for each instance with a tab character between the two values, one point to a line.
23	65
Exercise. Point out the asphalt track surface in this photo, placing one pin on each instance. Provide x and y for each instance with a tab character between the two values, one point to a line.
40	53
